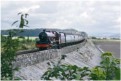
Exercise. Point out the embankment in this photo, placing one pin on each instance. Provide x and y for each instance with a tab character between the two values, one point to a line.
33	65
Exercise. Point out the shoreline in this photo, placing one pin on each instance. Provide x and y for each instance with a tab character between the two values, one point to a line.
112	46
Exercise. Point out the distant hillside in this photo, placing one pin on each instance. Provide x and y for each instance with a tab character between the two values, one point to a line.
35	32
107	35
115	36
26	32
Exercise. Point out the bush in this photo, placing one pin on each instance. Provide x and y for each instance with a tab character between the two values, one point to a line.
65	72
9	50
7	56
108	70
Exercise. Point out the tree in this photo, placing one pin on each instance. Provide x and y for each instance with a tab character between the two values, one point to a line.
93	37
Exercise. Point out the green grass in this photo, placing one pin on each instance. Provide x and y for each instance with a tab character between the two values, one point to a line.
24	44
27	45
31	38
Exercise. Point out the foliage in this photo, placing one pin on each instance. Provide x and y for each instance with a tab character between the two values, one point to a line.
110	65
108	70
65	72
23	20
9	52
3	38
97	73
93	37
26	44
8	56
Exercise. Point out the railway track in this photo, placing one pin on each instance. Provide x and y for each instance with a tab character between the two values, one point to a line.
53	47
27	51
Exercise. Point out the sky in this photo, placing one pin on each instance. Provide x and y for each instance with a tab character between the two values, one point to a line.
91	16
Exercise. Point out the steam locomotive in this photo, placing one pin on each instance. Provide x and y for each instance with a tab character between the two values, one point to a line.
53	39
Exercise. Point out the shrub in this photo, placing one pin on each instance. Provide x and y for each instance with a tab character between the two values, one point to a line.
108	70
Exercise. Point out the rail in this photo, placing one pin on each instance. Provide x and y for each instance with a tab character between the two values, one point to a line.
37	50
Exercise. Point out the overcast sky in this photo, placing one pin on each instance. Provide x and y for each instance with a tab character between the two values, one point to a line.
92	16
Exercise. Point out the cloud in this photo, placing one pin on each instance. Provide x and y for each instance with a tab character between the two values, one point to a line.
118	19
90	16
26	10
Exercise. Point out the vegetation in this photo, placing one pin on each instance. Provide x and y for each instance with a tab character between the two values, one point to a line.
65	72
93	37
24	43
108	70
7	56
10	47
23	20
